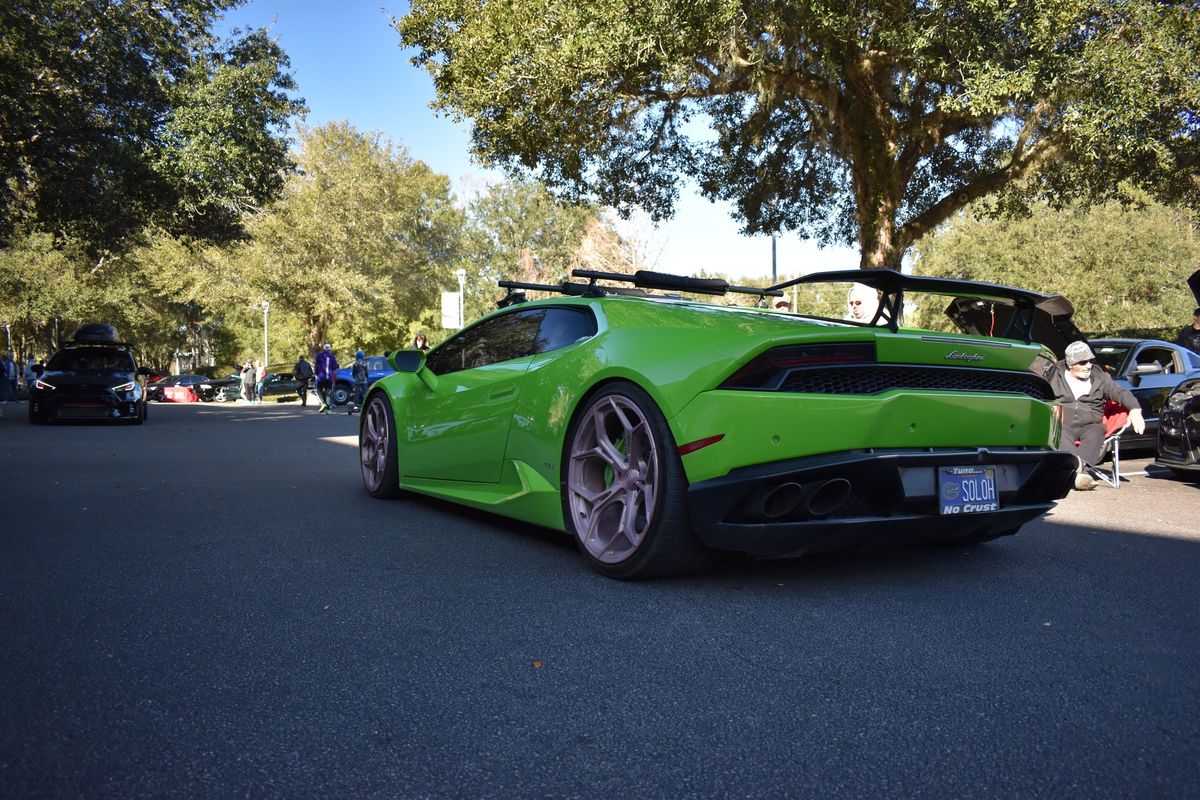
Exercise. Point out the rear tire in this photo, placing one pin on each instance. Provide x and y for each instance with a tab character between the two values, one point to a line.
35	419
377	448
624	494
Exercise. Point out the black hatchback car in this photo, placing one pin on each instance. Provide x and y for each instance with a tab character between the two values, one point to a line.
94	377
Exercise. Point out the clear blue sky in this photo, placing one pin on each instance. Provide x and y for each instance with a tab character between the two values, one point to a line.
348	65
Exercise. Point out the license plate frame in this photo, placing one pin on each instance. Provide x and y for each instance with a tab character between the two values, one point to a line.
967	490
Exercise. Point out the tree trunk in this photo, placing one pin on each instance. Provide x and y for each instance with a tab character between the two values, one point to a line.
877	192
877	237
318	327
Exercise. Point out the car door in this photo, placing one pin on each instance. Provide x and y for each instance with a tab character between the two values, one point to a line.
1152	387
458	431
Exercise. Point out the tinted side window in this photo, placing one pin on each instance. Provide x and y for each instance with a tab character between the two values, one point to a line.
499	339
1157	356
564	326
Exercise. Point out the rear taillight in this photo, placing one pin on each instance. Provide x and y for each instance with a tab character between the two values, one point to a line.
768	370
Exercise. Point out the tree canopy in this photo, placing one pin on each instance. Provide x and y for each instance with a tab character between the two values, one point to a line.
117	115
864	122
362	240
517	230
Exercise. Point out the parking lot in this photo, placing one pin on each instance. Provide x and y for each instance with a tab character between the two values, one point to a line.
210	605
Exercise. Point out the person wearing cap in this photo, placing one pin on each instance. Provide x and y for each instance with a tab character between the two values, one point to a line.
1081	391
359	372
1189	337
327	366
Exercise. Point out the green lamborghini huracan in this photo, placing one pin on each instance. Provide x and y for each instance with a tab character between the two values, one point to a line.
658	430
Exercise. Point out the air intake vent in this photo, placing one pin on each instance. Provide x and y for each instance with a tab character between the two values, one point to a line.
878	378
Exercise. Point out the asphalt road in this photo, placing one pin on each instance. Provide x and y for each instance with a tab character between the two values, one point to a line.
210	606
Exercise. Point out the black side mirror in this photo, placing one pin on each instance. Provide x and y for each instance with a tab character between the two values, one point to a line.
406	360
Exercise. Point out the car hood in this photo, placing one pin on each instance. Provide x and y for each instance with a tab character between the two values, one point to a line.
89	378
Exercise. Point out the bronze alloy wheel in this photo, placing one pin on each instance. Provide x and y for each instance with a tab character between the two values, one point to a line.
624	488
377	448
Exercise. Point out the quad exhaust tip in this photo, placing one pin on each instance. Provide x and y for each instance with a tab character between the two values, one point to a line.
814	500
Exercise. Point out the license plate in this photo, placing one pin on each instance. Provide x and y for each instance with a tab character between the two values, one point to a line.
967	490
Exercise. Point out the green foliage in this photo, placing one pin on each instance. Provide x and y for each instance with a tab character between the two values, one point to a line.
116	115
48	288
867	123
361	242
519	231
1123	269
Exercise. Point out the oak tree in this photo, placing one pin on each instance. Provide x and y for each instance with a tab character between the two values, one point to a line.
865	122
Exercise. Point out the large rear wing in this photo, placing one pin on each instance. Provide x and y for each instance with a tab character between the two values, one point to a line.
981	309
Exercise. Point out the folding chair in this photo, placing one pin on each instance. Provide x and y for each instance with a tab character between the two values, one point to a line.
1116	420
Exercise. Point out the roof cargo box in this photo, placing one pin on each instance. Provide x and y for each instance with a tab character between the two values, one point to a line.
96	332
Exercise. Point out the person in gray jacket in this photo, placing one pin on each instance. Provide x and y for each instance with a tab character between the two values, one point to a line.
1081	391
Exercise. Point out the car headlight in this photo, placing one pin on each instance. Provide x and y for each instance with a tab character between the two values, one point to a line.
1178	401
41	384
125	387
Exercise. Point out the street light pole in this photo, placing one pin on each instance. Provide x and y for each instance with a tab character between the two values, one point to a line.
462	295
266	351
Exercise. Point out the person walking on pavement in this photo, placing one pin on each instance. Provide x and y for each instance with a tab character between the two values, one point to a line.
248	382
360	373
303	372
327	366
8	379
260	379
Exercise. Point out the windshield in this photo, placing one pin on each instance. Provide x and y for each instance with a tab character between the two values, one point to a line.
91	359
1111	356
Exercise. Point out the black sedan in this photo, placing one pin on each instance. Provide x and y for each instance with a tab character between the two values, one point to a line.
201	386
1150	369
92	378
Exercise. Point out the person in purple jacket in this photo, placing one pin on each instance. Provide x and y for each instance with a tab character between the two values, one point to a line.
327	365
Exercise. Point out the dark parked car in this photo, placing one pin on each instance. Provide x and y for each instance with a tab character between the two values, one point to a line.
277	384
94	377
1150	369
1179	420
201	386
1179	430
226	389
